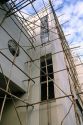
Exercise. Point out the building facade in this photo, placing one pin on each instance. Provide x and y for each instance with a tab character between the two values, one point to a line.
39	70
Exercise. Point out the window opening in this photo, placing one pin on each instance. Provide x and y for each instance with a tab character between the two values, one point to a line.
46	65
13	47
44	28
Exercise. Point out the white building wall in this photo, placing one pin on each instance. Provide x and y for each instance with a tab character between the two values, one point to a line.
16	76
57	109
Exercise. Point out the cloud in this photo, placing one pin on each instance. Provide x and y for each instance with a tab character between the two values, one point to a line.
74	13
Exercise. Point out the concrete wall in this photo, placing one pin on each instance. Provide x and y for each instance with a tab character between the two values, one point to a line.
13	32
52	112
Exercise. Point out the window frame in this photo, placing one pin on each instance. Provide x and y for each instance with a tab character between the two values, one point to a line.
13	47
47	80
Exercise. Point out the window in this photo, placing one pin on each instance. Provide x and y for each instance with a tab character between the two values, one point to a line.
47	85
13	47
44	28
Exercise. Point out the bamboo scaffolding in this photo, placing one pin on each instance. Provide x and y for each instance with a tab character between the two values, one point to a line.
8	93
57	52
20	28
17	67
20	6
50	100
71	68
5	98
39	67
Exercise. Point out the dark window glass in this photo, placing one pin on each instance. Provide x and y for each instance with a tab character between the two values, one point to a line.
46	63
50	69
49	61
44	91
43	63
51	75
43	78
43	71
50	90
